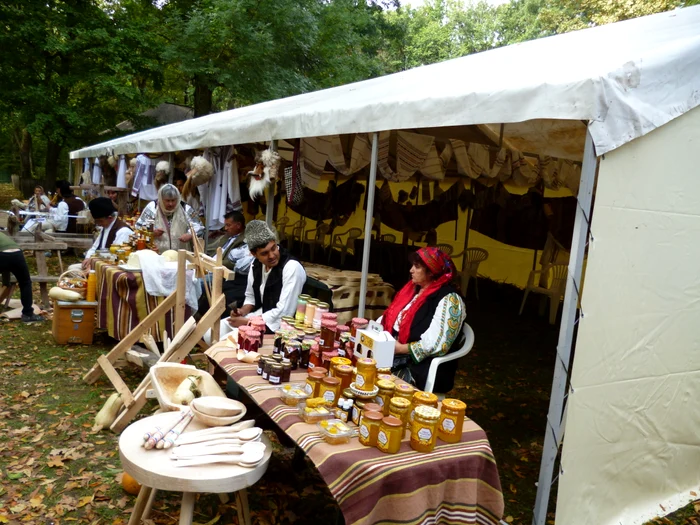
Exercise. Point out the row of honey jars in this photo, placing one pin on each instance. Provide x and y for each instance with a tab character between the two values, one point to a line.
383	432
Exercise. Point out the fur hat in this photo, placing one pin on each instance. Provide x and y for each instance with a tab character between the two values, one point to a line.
163	165
258	234
101	207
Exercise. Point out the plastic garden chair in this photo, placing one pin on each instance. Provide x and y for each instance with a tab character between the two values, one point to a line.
473	257
549	281
343	247
315	237
464	350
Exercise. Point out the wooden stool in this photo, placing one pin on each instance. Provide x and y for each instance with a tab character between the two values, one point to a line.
156	471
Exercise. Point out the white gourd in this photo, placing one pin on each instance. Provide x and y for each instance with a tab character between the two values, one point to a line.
187	391
108	413
170	255
59	294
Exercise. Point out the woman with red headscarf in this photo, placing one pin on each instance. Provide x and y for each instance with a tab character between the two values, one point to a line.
426	318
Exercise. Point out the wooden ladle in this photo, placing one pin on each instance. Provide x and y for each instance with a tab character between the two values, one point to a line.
247	455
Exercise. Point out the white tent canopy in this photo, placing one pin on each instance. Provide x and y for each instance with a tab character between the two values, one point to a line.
626	79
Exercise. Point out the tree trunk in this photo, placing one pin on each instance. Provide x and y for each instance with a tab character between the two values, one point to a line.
24	144
202	97
53	152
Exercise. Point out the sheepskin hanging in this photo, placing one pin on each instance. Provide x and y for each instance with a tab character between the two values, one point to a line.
201	172
267	164
162	173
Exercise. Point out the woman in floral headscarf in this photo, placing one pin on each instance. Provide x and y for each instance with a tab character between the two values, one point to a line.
426	318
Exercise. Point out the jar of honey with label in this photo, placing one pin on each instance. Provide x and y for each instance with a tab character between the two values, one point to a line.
366	374
386	392
422	398
424	428
313	382
399	407
451	420
390	435
330	390
369	428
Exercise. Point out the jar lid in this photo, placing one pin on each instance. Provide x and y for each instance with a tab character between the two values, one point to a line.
341	361
329	315
424	397
306	344
314	347
384	370
427	412
309	331
277	366
385	384
329	323
372	415
342	328
348	394
286	361
322	369
277	358
454	404
405	389
287	364
323	305
329	380
304	296
386	377
367	361
373	407
313	374
294	344
392	421
359	320
400	402
253	333
343	369
313	300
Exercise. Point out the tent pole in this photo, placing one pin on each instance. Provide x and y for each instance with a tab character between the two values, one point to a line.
270	208
171	160
70	170
207	217
371	184
553	431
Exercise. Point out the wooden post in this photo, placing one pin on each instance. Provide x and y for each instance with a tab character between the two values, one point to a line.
216	292
181	288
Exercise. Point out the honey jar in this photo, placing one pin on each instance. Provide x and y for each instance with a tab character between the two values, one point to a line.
424	428
314	356
386	392
366	374
390	435
405	391
335	361
385	377
369	427
330	390
399	407
328	329
313	382
422	398
357	411
344	373
275	376
451	420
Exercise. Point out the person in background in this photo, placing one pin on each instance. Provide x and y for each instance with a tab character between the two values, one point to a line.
426	318
275	280
170	219
113	230
237	258
69	205
12	262
114	197
37	202
179	179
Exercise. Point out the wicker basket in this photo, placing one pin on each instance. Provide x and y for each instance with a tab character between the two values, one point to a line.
75	281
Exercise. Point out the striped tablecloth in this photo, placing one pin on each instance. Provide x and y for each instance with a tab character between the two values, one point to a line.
123	303
455	484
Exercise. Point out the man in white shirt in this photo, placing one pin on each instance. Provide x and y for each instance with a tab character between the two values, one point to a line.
114	230
275	280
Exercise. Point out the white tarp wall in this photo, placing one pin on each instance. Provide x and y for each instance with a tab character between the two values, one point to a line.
631	443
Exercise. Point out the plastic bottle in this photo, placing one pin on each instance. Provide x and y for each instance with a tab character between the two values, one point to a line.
91	286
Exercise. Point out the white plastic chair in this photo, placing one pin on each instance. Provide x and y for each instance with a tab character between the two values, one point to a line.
343	247
473	258
556	273
437	361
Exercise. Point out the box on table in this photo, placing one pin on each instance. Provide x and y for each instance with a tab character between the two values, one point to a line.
74	322
374	342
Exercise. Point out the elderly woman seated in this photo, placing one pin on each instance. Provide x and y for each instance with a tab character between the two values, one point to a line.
172	221
426	318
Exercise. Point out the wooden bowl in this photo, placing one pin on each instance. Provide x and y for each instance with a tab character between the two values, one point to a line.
216	421
218	406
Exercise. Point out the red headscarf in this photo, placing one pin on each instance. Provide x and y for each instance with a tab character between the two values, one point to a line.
443	270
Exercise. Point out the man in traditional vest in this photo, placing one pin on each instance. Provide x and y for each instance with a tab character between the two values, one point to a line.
114	230
274	283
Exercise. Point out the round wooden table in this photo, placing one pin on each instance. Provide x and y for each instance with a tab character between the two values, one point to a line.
154	470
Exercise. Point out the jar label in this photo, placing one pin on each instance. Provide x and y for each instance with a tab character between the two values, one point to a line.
364	431
308	389
264	374
382	438
359	380
355	415
341	352
448	424
380	401
343	416
274	379
425	434
260	370
329	396
311	365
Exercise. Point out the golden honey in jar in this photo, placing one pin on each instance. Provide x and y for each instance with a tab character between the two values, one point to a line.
313	382
385	377
330	390
451	420
369	428
357	408
366	374
390	435
422	398
405	391
424	428
386	392
344	373
335	361
399	407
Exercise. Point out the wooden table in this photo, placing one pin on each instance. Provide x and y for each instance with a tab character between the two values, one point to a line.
456	483
155	471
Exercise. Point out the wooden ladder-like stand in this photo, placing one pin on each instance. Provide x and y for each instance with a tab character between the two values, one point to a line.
188	334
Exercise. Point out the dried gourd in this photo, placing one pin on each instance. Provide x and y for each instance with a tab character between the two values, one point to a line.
188	390
59	294
108	413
